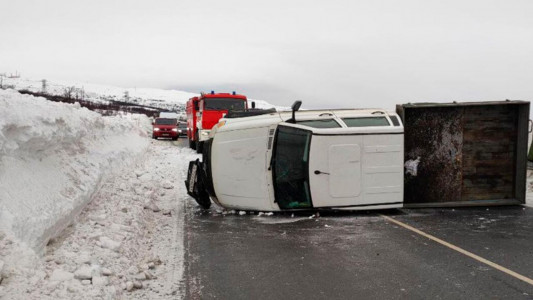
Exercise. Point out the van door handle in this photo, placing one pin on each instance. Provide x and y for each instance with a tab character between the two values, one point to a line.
317	172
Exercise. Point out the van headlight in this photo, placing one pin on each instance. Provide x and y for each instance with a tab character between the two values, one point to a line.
156	129
175	129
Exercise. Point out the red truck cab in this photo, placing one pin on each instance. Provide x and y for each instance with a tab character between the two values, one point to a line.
165	127
204	112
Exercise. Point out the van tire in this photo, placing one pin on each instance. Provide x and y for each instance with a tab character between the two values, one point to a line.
196	185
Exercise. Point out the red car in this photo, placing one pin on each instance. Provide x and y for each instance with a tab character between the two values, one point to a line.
165	127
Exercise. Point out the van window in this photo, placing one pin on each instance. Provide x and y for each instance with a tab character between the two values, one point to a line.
320	123
291	168
366	122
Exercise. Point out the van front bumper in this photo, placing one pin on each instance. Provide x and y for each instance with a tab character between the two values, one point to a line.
203	135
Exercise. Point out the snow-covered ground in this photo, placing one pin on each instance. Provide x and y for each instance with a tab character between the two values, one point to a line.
166	99
126	244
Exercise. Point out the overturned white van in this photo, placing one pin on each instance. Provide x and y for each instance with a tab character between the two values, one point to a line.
319	159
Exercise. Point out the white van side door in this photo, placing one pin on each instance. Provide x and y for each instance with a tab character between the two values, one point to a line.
335	170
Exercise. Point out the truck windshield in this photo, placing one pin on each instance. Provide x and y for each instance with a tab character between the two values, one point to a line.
291	168
160	121
224	104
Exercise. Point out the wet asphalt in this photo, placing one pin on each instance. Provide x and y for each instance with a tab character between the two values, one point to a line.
358	255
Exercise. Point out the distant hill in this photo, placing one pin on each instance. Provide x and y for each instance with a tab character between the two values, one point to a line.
171	100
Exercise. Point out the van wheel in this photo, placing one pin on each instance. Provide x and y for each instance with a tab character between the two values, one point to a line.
195	184
203	197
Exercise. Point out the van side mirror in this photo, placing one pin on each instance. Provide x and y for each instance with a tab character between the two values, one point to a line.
295	107
253	104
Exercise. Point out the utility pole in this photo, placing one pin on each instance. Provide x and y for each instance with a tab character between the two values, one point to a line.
2	75
44	86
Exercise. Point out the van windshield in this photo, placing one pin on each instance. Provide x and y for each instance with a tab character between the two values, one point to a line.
161	121
291	168
224	104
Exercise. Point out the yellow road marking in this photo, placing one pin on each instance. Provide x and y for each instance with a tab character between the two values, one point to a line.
463	251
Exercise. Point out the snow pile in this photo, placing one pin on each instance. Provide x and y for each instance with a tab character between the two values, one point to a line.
126	244
53	158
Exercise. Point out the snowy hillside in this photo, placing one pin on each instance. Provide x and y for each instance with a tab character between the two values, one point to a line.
172	100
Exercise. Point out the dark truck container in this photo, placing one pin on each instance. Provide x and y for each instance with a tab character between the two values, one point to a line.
465	154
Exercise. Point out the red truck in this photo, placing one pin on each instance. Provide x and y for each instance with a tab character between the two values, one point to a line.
204	112
165	126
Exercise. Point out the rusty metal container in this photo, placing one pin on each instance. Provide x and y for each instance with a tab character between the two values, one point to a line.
469	154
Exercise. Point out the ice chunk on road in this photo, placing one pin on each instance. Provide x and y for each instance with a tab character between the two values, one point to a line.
168	185
100	281
61	275
108	243
85	272
107	272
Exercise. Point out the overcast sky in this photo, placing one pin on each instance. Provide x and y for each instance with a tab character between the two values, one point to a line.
327	53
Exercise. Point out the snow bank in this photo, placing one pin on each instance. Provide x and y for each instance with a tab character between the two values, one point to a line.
53	158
